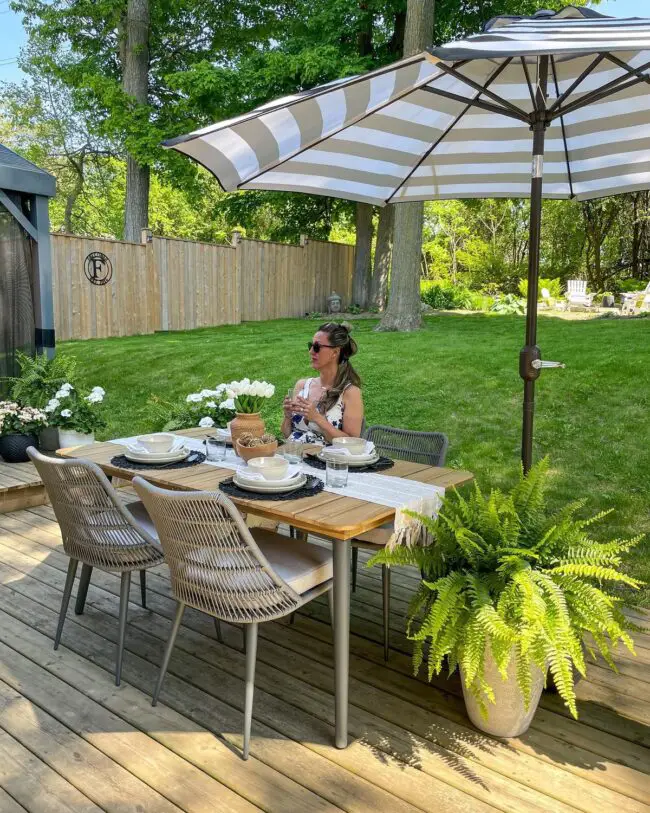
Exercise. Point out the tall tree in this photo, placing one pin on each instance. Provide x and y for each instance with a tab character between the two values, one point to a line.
135	82
381	267
404	312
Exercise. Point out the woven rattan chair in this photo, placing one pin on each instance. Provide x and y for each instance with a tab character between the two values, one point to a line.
98	531
429	448
236	574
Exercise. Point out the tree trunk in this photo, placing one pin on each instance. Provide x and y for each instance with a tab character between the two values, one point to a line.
379	282
404	310
135	83
361	282
73	196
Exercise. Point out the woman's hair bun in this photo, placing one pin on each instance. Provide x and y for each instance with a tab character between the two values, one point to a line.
347	326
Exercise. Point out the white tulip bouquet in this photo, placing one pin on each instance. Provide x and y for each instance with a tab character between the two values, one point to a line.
249	396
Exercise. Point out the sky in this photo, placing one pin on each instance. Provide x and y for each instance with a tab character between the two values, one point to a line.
12	34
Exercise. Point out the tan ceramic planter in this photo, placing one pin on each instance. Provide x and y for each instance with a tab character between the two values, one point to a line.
246	422
508	717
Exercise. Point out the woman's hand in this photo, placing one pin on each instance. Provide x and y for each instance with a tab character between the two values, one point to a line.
302	406
288	407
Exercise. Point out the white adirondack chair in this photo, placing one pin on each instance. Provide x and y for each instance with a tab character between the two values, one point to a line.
576	293
630	299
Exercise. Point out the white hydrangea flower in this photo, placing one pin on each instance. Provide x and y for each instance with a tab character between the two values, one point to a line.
206	423
94	398
98	391
67	387
62	393
52	404
66	413
211	404
194	398
229	403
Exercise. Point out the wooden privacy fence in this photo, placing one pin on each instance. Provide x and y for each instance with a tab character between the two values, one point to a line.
107	288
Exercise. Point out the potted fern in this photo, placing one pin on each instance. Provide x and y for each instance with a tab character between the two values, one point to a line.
40	378
510	592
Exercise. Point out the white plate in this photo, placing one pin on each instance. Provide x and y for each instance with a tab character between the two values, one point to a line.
353	460
136	449
168	457
269	486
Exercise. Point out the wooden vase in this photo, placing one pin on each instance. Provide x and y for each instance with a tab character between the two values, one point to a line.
246	422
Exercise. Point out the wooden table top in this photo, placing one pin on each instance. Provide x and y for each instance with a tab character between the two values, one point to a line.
326	514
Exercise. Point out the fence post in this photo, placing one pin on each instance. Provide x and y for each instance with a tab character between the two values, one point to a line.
235	241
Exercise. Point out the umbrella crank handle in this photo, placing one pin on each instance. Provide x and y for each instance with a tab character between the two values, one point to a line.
538	364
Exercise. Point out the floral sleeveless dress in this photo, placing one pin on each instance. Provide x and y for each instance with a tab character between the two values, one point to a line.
309	432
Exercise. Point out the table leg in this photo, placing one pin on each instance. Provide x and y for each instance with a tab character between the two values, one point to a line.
341	638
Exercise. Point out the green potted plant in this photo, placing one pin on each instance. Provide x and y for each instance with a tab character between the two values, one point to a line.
40	377
205	409
77	416
19	427
510	591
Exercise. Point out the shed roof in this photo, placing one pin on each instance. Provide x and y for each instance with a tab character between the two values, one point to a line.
17	174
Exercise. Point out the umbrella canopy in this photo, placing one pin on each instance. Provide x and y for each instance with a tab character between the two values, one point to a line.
461	121
456	122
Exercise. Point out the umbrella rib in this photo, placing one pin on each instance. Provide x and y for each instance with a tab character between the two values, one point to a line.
596	96
492	108
316	141
616	85
530	87
638	72
566	149
428	152
495	97
561	99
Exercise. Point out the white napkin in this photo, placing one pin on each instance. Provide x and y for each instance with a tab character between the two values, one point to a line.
341	450
410	531
249	474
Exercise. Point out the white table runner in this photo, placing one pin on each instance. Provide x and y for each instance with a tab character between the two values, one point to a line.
382	489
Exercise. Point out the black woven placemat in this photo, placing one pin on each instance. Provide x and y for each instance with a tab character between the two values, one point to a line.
193	459
314	485
382	464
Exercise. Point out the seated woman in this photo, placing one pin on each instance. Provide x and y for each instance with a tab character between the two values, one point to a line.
329	406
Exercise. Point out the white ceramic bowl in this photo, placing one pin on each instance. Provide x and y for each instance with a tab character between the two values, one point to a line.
271	468
157	443
353	445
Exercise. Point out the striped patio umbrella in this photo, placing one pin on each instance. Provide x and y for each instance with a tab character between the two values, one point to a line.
460	121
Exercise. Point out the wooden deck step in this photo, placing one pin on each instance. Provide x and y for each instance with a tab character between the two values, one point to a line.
20	487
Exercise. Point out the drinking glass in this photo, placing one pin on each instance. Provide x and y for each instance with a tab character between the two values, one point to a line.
216	449
292	451
336	474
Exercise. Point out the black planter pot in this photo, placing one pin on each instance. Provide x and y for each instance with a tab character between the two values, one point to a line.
13	448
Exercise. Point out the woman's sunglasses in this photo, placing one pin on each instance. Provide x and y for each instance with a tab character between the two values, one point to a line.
316	346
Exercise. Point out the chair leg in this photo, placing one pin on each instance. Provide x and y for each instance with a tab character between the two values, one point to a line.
292	618
124	606
385	586
67	591
355	562
251	656
143	588
180	609
82	590
217	629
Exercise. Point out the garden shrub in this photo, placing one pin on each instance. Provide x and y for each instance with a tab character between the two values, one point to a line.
554	287
441	296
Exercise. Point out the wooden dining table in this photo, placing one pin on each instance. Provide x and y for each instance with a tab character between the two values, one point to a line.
330	516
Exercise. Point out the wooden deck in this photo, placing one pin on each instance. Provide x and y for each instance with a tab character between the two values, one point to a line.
20	487
71	741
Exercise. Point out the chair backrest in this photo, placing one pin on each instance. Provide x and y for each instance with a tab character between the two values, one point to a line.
214	562
577	286
405	444
95	526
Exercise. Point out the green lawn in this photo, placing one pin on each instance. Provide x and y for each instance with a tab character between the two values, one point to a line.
458	375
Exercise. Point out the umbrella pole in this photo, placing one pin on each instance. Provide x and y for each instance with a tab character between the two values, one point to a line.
530	352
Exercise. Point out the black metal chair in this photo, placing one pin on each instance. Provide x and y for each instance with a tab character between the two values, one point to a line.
429	448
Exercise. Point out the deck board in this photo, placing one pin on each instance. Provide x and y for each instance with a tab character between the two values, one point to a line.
412	747
20	487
